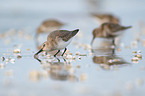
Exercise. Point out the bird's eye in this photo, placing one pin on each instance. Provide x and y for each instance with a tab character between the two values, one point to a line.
43	45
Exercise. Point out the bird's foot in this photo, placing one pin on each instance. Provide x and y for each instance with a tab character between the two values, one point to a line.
36	56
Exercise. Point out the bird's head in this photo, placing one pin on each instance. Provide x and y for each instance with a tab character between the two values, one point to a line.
39	30
44	47
95	32
115	20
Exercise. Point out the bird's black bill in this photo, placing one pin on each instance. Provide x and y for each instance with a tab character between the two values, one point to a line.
38	52
92	41
127	27
38	60
57	59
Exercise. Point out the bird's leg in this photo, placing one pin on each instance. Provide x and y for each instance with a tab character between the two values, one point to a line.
113	42
64	60
57	53
113	52
64	51
46	53
57	59
92	40
38	60
35	56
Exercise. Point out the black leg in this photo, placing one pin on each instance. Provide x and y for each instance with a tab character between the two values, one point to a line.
64	51
64	60
46	53
57	53
38	60
113	52
57	59
113	41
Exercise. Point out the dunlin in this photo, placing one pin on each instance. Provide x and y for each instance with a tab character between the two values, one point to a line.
103	18
108	30
57	40
49	26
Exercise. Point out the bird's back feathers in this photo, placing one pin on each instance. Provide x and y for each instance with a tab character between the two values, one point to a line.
63	34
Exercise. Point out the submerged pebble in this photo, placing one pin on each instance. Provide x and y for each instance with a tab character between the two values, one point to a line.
12	60
138	55
77	53
78	66
2	66
79	58
3	58
83	77
134	59
9	73
7	61
129	86
34	76
16	51
69	56
19	56
139	51
71	70
134	52
28	49
139	82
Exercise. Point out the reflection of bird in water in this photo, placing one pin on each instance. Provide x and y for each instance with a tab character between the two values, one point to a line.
107	62
109	31
104	51
103	18
49	26
57	40
59	71
107	59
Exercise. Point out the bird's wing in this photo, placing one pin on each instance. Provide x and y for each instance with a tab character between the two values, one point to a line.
64	34
50	23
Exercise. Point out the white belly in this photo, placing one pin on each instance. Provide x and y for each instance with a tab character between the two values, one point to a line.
62	44
102	43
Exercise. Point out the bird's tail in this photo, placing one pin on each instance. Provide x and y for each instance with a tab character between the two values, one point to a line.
75	32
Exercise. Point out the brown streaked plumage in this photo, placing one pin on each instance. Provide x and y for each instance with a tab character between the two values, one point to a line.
103	18
108	30
57	40
49	26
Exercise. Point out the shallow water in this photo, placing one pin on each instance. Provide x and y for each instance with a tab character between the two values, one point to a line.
100	73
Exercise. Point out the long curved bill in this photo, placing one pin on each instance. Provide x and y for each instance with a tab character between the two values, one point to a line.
92	41
35	56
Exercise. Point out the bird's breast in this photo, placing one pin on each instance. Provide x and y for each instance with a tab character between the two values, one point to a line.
62	44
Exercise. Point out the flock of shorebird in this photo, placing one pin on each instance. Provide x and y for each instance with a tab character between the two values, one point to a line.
59	39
